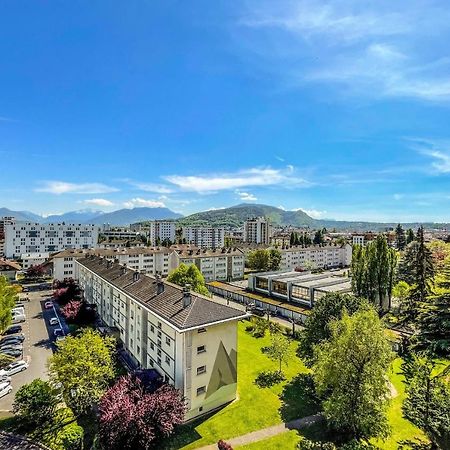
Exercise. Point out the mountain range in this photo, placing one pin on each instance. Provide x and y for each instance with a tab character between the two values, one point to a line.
227	217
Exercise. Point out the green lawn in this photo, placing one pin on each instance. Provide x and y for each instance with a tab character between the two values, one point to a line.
256	407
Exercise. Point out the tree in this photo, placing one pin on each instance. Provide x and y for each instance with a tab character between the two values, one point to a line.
35	403
35	271
409	236
433	319
350	373
259	260
318	237
72	310
5	360
8	295
84	367
66	290
279	350
326	309
274	259
185	275
132	418
400	238
427	403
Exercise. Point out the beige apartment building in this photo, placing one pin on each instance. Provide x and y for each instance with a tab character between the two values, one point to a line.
189	339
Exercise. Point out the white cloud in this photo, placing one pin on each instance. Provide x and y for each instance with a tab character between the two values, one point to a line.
249	177
99	202
437	149
62	187
379	49
151	187
314	213
140	202
246	196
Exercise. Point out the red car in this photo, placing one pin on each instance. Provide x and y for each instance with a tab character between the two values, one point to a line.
48	305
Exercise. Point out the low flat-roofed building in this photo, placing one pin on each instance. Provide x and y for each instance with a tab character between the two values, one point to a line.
299	287
188	338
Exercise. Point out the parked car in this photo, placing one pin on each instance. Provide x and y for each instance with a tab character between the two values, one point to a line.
16	338
13	329
19	305
58	332
12	352
14	367
53	321
5	378
258	311
5	388
18	318
48	305
18	310
11	346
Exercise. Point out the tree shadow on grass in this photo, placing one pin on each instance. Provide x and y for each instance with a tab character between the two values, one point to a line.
299	398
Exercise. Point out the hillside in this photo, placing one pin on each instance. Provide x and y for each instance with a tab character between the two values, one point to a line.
25	216
80	216
128	216
236	215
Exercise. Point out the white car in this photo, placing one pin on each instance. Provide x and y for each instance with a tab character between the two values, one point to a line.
5	388
54	321
13	368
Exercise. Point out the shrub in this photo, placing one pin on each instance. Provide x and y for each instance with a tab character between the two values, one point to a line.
222	445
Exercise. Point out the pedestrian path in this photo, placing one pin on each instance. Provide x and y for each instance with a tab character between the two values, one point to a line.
266	433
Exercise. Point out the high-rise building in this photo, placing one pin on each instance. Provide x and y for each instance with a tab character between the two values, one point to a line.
204	237
257	231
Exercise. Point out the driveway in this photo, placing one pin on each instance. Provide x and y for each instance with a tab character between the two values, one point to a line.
37	345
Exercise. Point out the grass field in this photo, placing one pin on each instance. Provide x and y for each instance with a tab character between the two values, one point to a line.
256	407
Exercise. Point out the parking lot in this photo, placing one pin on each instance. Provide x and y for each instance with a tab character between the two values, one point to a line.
37	347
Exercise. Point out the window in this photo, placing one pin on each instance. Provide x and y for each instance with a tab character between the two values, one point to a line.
201	330
201	349
152	328
167	360
201	369
152	345
201	390
159	325
168	341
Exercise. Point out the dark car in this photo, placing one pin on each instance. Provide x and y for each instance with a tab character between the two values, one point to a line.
12	352
16	338
258	311
14	329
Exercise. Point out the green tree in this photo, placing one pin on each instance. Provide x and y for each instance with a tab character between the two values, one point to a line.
409	236
318	237
350	373
280	350
326	309
5	360
84	367
35	403
274	259
259	260
400	238
427	403
8	294
190	275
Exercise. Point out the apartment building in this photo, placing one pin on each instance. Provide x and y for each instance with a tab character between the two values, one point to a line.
204	237
3	221
120	233
31	237
189	339
257	231
149	260
221	264
34	259
316	257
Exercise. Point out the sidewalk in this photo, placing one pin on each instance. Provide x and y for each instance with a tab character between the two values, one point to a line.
266	433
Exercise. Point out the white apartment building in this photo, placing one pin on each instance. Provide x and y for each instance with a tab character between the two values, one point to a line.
204	237
189	339
358	239
147	260
33	259
161	230
257	231
32	237
120	233
215	264
313	257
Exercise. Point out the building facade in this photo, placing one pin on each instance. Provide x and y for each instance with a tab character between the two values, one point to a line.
257	231
204	237
189	339
31	237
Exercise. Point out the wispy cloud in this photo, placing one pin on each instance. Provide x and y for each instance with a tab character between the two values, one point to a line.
63	187
246	196
314	213
152	187
140	202
368	49
437	149
98	202
258	176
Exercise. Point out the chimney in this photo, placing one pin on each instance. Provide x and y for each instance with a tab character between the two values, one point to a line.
187	295
136	276
159	284
123	270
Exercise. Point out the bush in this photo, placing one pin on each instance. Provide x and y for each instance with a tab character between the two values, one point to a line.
71	437
306	444
268	378
222	445
249	328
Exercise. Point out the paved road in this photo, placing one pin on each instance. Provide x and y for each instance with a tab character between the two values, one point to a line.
37	345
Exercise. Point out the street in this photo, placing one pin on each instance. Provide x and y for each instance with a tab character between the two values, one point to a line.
37	346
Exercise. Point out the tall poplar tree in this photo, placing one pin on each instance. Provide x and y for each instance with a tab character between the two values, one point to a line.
400	238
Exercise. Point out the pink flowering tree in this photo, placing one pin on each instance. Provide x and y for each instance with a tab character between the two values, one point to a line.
132	418
71	311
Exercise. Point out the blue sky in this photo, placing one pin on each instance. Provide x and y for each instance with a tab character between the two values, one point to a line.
339	108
